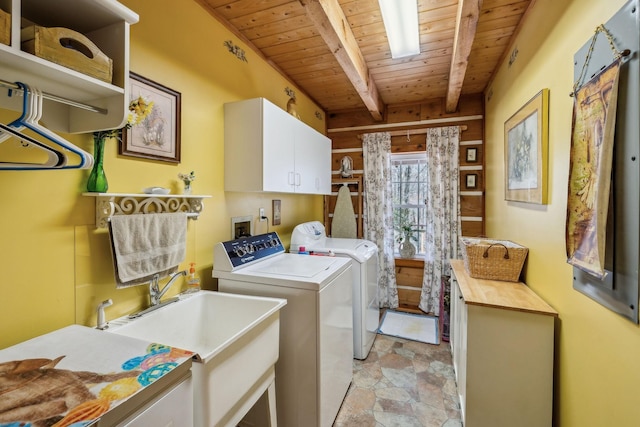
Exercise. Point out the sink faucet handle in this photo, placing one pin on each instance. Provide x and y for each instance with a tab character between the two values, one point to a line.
102	323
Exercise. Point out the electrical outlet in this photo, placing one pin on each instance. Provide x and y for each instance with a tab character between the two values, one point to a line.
261	215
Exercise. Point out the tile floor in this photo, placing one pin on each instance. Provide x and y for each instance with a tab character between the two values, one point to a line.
402	383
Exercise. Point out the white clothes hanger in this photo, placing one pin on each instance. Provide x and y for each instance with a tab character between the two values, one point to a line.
32	111
55	158
86	159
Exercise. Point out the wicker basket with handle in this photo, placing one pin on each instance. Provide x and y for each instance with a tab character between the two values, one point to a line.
493	259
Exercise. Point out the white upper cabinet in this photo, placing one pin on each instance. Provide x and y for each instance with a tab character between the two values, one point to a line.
267	149
106	24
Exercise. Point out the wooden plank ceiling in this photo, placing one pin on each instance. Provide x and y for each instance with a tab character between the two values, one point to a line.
336	51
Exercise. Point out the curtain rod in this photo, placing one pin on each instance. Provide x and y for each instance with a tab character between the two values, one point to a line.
410	132
57	98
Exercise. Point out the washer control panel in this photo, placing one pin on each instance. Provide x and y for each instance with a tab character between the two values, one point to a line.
253	248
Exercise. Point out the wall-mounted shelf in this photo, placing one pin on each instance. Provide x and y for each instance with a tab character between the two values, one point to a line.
106	23
110	204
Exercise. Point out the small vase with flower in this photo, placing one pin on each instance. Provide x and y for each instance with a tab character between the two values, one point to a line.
187	179
139	109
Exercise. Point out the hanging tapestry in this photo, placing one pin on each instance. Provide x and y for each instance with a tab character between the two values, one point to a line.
594	118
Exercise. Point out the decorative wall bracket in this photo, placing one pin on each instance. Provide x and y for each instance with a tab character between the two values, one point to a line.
110	204
236	50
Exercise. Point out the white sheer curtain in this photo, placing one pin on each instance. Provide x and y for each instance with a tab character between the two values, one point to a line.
378	218
443	211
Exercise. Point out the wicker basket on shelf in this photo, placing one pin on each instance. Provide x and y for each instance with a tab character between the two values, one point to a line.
493	259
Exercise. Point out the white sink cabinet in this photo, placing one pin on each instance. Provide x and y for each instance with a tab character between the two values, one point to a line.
502	339
267	149
106	23
173	408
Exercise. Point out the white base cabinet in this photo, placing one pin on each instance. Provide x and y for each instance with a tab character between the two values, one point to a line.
267	149
502	340
174	408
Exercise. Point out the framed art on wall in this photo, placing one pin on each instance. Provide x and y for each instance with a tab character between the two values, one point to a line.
157	137
472	155
526	140
277	209
471	181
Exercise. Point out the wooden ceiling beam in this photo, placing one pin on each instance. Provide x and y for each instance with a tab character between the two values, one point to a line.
466	24
330	21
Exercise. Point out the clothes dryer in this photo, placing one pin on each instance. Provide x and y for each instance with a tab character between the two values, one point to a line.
364	256
315	366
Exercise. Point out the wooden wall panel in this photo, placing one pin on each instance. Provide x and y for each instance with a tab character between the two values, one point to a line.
472	229
471	205
408	300
469	105
356	156
409	274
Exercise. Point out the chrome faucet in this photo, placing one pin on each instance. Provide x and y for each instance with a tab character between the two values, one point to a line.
102	323
155	294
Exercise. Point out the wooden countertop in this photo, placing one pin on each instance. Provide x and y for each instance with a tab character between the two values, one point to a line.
499	294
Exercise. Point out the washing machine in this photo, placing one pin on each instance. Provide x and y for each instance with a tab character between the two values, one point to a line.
364	256
315	365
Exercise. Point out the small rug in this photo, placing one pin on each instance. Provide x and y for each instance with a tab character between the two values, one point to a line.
416	327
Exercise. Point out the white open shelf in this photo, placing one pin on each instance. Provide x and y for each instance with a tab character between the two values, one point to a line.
110	204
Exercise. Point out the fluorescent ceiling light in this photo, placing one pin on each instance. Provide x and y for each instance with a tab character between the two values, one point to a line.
401	22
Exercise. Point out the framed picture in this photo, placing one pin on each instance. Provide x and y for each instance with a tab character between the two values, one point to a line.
471	181
157	137
526	141
276	212
472	155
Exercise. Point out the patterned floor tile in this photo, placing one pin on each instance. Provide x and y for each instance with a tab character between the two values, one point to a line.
402	383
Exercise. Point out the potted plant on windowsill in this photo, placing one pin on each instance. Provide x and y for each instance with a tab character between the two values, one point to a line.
407	234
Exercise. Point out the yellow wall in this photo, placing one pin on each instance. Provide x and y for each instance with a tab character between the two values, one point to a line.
55	265
597	372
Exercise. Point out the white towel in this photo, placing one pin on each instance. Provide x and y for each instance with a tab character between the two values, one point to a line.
343	223
147	244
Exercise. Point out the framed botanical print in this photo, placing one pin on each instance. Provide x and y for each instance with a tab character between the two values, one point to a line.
277	209
471	181
157	137
472	155
526	141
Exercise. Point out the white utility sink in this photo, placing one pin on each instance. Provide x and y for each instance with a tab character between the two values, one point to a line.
235	338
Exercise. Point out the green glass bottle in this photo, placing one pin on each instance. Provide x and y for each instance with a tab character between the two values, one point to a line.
97	182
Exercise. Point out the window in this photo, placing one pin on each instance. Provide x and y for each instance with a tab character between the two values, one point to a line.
408	182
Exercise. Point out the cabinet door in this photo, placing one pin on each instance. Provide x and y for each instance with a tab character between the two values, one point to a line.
312	160
174	408
459	341
462	356
278	150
